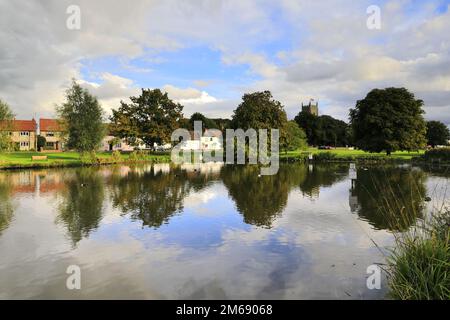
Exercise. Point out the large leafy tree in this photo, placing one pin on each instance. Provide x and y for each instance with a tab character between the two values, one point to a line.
206	122
323	130
6	116
295	137
437	133
388	120
150	117
259	110
82	117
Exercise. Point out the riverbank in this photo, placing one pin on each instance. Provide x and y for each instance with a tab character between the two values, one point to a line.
19	160
23	160
419	267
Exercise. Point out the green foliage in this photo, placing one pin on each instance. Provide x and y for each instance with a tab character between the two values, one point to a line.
41	142
151	118
89	158
324	130
420	265
324	156
82	115
441	154
388	120
116	156
206	122
138	155
6	116
437	133
259	110
295	138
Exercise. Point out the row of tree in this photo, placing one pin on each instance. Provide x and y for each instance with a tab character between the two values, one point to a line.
385	120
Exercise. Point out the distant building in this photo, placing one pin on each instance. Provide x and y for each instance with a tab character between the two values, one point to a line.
311	108
22	132
52	131
210	140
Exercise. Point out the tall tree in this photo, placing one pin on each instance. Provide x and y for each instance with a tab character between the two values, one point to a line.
6	116
388	120
206	122
150	117
295	137
259	110
437	133
82	116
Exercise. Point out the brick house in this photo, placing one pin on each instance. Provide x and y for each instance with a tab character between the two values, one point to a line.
52	131
22	133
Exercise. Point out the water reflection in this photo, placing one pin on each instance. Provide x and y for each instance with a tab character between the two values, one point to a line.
150	196
6	206
389	198
82	203
209	231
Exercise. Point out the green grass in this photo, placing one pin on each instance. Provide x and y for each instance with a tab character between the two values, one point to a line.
346	154
23	159
419	267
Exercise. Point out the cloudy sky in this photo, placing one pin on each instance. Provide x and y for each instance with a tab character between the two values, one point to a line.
207	54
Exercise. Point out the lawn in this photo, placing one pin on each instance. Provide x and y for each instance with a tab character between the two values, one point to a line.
23	159
347	153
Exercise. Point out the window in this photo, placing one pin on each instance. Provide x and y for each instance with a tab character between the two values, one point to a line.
24	133
24	144
50	134
49	144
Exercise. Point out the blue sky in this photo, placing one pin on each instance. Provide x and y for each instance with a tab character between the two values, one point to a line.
207	54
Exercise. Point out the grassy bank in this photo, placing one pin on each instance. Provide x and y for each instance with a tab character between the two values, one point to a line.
344	154
419	267
67	159
71	159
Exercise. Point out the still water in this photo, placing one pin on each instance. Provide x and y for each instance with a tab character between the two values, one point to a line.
210	231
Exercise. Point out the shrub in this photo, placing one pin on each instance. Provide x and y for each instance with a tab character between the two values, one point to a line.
137	156
324	156
419	267
440	154
116	156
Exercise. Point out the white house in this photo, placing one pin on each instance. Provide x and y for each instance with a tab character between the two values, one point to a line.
210	140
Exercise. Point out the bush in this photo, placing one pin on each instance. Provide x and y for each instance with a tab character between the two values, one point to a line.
324	156
420	265
440	154
116	156
89	158
138	156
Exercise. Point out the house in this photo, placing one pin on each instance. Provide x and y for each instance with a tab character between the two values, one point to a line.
210	140
22	133
52	131
111	143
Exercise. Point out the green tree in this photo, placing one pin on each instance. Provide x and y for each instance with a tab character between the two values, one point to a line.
388	120
295	137
259	110
82	117
310	125
41	142
437	133
206	122
151	118
6	116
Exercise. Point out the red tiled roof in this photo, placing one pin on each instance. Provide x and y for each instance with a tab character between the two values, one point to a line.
49	125
18	125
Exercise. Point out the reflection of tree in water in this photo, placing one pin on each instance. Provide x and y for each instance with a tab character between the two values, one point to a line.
321	175
151	197
82	206
260	199
6	206
390	197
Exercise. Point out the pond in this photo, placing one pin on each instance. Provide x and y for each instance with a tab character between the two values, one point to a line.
205	231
